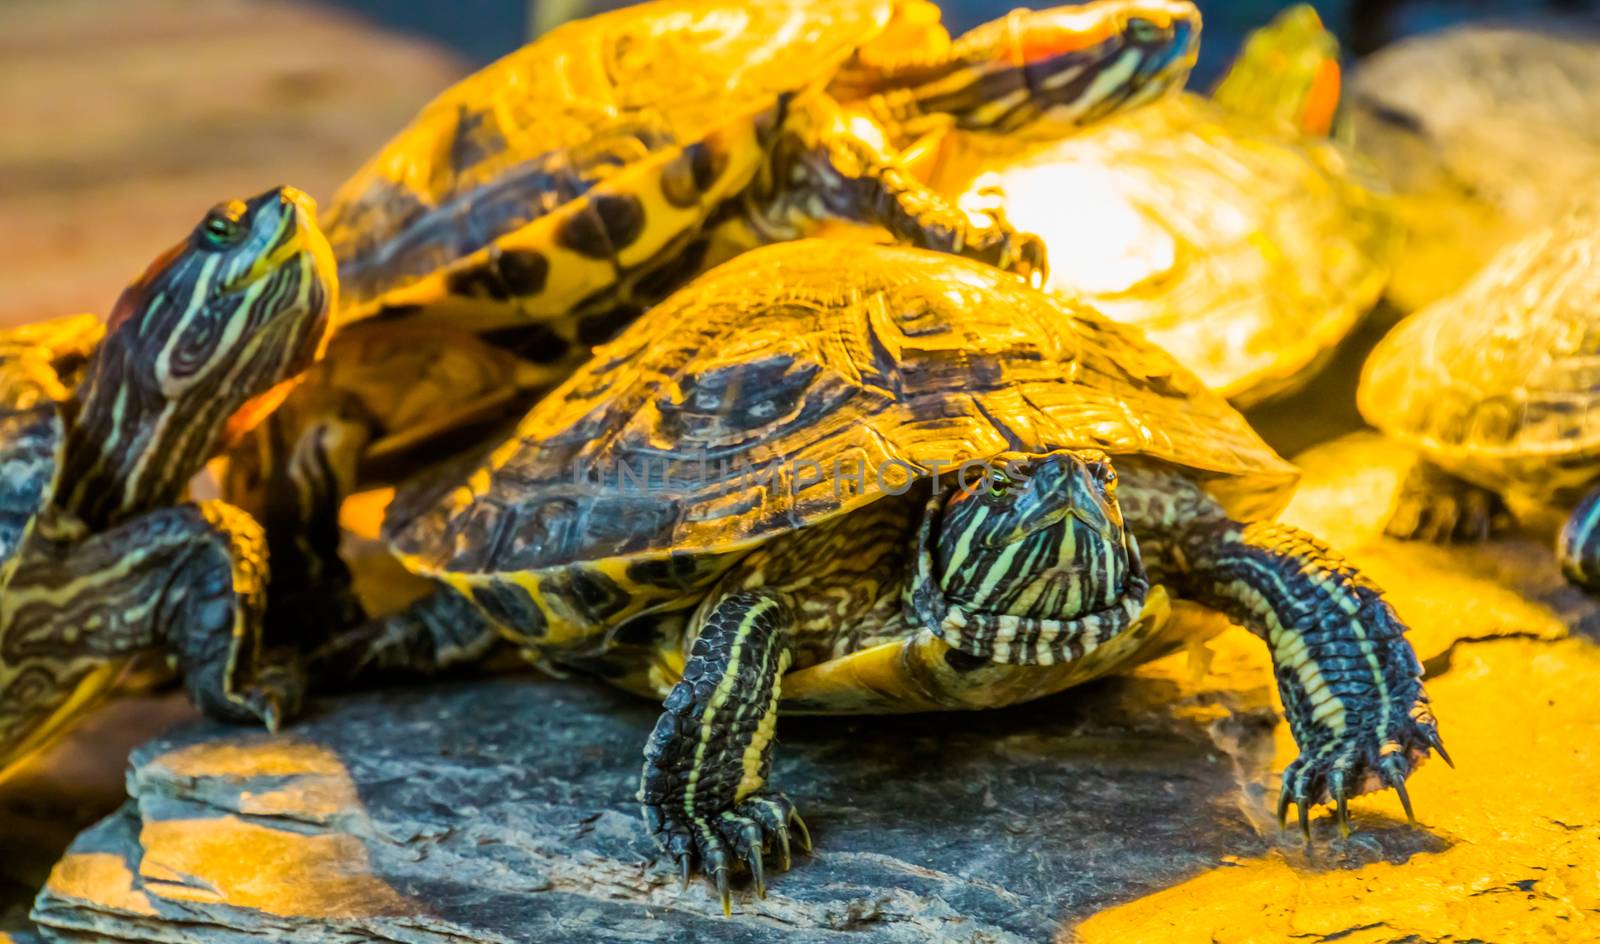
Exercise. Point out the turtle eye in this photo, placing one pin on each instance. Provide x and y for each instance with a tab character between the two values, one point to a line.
998	483
1143	31
221	227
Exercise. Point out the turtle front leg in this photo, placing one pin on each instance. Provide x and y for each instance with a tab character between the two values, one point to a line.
192	577
1350	682
706	764
827	166
1439	508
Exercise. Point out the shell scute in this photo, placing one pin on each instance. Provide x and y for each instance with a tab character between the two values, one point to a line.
1508	368
586	104
802	380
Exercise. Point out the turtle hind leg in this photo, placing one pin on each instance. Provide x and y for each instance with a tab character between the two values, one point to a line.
1435	506
1578	545
706	763
1350	682
422	639
825	168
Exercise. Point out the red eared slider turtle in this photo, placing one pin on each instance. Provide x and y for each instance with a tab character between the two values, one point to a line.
1485	132
738	506
550	197
566	184
100	561
1495	387
1230	229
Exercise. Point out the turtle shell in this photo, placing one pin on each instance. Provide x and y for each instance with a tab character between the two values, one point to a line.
31	441
44	360
1486	132
1246	251
659	102
1500	380
795	383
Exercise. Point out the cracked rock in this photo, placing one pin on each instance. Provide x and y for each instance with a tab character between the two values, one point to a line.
501	810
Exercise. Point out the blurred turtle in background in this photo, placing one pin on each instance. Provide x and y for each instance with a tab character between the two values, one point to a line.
1497	387
1231	229
101	430
1485	133
545	201
737	507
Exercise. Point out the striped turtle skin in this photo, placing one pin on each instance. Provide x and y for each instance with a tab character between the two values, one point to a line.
539	205
1485	132
1496	387
830	477
1230	228
101	429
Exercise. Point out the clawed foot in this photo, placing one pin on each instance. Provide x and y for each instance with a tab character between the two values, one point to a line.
1024	254
1358	763
747	833
1021	253
1435	507
276	693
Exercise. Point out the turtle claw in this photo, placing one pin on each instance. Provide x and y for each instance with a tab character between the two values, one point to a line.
1347	767
722	889
1405	802
1394	772
800	824
272	715
1341	800
1431	736
758	872
783	847
272	697
743	834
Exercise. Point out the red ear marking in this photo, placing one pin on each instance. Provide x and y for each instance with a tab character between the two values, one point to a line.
1036	38
1322	101
253	411
137	294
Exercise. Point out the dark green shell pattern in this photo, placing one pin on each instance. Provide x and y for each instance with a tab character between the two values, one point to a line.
541	127
744	405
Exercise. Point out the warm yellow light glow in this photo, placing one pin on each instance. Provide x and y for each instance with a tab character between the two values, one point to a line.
1245	251
1099	240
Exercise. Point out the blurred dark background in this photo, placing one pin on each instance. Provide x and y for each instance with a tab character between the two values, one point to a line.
481	30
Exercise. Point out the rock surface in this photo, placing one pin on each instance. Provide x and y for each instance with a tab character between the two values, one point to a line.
1138	809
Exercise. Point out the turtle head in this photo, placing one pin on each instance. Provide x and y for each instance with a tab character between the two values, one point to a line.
1288	72
1064	66
198	348
1037	537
